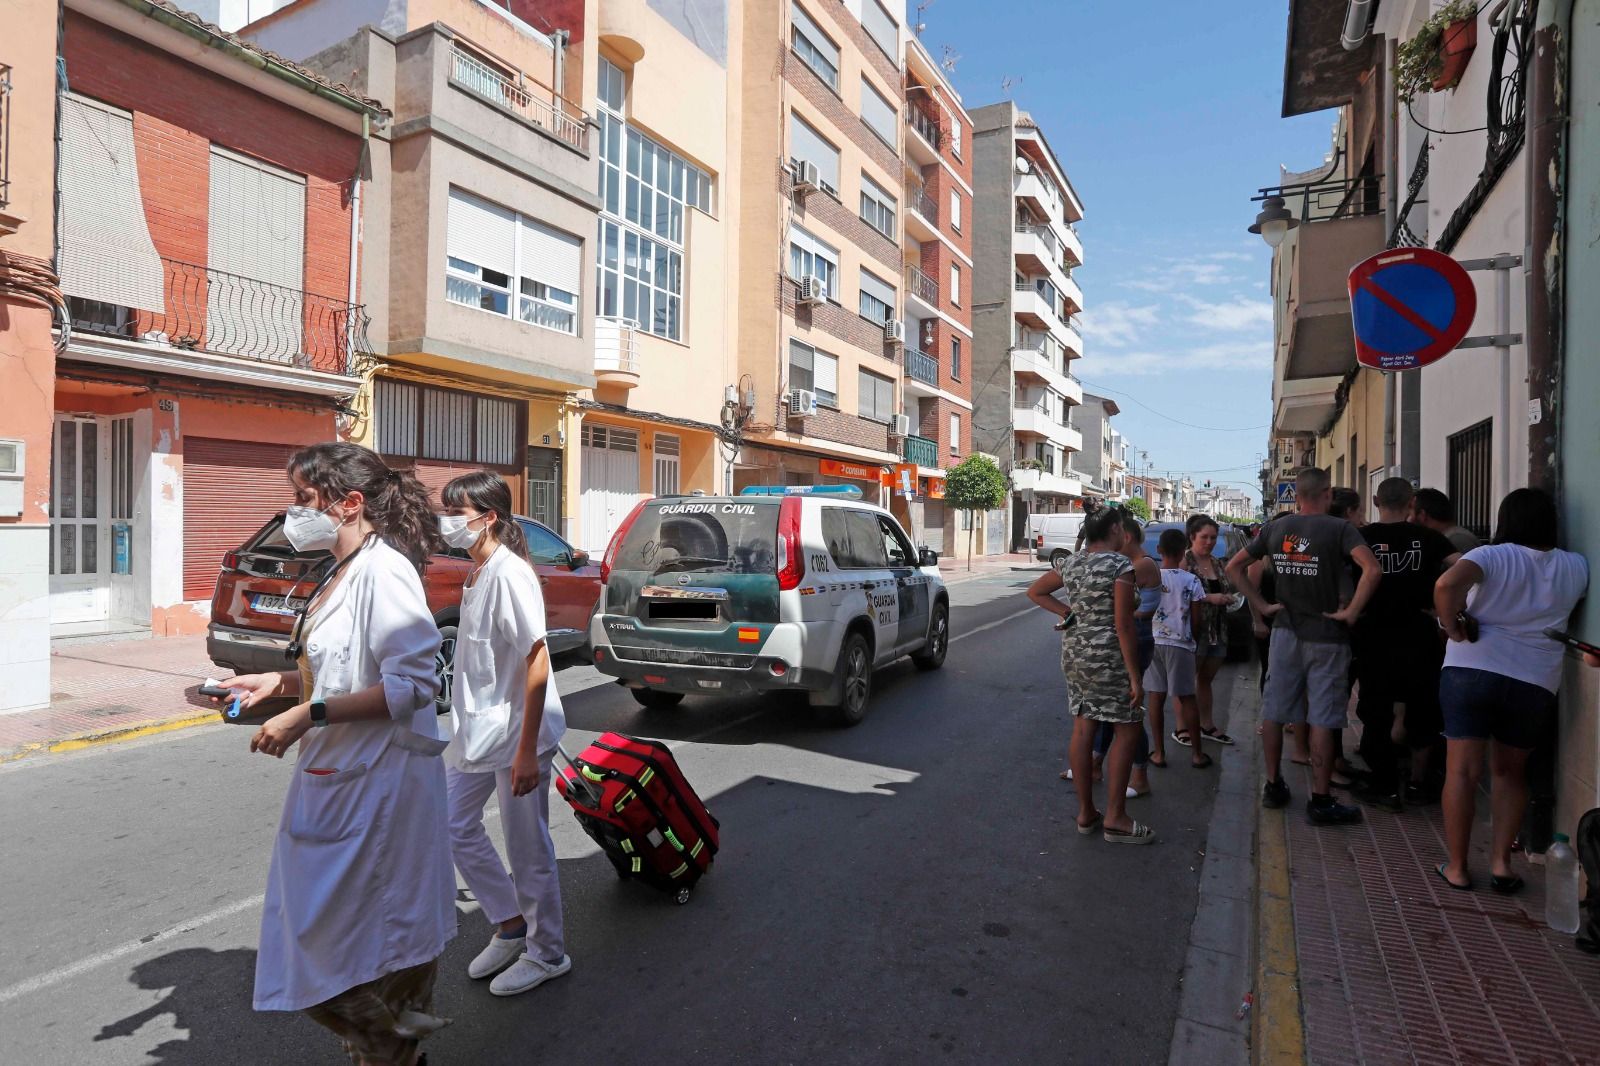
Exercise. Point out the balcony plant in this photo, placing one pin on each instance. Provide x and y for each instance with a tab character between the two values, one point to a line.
1435	58
1028	464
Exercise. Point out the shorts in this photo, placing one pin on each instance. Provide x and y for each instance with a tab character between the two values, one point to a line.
1171	671
1211	651
1400	665
1306	681
1146	648
1479	704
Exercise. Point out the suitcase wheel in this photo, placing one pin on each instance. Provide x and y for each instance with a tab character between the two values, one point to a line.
682	897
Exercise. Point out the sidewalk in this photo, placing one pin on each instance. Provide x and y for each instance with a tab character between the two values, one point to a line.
953	568
1394	966
113	690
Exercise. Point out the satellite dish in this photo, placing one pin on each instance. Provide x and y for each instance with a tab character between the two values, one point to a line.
1023	166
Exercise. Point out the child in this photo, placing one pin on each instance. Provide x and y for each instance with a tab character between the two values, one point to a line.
1172	669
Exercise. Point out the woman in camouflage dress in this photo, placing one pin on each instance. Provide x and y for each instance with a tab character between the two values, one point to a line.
1100	658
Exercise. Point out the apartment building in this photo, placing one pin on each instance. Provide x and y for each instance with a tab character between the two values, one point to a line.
209	211
1093	465
819	220
1024	312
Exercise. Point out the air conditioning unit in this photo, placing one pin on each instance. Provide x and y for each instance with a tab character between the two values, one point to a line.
900	426
802	403
894	331
813	290
806	175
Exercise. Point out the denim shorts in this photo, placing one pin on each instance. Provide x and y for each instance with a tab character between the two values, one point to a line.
1211	651
1479	704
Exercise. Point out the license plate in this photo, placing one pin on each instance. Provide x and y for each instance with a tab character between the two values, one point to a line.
284	605
711	684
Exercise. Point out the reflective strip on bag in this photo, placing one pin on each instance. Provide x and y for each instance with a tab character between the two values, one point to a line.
627	846
644	778
679	872
638	864
695	851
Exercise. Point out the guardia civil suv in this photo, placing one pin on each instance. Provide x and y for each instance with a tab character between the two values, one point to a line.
798	589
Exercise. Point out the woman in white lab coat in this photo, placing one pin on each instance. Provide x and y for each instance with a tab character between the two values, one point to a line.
359	901
506	720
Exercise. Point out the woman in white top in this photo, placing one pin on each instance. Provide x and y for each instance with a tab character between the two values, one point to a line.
360	896
506	720
1501	672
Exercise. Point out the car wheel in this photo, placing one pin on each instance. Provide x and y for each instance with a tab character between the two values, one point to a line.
655	699
931	657
444	667
855	681
1059	556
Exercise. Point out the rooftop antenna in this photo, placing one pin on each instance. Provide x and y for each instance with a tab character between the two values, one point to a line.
950	60
921	23
1006	83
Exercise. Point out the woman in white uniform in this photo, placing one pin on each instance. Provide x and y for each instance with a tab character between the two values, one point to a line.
506	720
359	901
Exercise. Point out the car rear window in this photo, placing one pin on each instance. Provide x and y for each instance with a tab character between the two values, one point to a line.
269	540
702	536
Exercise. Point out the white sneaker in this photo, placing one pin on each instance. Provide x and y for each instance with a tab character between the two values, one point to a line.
497	956
528	973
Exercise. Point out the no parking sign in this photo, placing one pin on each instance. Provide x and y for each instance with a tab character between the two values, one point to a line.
1409	307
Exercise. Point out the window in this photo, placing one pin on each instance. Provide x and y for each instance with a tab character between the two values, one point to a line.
876	400
854	539
814	371
645	189
955	433
544	547
895	545
1469	476
813	46
878	113
668	447
955	284
955	209
955	358
422	422
810	257
487	246
877	298
877	207
880	26
955	134
806	144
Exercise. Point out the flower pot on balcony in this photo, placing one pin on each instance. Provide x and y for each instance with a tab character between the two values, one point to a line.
1456	45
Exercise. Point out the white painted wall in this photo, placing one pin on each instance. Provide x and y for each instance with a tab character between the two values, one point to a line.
25	621
165	523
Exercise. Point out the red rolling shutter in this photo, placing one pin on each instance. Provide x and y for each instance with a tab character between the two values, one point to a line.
230	488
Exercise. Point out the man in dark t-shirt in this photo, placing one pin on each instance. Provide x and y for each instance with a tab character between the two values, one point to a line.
1398	648
1308	673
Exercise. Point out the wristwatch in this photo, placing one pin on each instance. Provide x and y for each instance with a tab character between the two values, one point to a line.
319	712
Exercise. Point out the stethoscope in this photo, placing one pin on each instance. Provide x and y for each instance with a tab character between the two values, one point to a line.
295	647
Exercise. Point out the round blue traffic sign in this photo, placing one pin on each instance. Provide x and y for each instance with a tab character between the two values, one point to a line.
1409	307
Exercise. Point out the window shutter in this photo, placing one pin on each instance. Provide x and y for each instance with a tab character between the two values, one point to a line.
257	221
106	253
825	374
875	287
481	233
396	417
877	112
551	256
806	143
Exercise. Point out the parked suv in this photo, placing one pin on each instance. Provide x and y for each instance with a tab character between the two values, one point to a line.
773	590
264	582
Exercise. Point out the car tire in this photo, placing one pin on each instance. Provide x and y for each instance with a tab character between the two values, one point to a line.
444	666
854	672
654	699
1059	556
931	657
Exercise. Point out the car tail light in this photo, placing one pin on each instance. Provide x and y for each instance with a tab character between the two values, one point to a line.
791	562
1038	540
230	560
616	541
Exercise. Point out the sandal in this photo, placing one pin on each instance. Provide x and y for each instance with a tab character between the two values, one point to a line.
1203	762
1158	761
1506	886
1216	735
1440	871
1139	834
1182	737
1088	830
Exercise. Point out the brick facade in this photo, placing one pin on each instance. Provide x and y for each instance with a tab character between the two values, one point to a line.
831	212
836	321
933	416
863	43
841	428
822	97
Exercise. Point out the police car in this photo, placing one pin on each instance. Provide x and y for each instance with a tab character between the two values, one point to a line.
803	589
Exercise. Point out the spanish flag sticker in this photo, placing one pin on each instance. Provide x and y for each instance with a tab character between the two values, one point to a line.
749	636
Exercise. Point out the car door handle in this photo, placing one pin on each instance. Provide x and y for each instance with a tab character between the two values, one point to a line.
869	585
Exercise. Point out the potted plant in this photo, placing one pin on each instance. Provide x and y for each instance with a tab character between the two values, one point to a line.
1436	57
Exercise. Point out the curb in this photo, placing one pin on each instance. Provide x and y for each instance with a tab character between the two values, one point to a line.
1278	1031
82	741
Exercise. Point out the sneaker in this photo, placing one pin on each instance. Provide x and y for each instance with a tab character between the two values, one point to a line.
1385	799
500	953
528	973
1275	794
1331	812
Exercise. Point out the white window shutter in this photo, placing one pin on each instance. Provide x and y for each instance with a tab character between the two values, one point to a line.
481	233
550	256
825	374
806	143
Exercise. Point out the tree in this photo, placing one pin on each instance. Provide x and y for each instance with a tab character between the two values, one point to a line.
1137	505
974	484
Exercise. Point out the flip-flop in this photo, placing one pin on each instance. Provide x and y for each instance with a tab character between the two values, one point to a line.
1159	764
1202	763
1440	871
1133	793
1139	834
1506	886
1088	830
1182	737
1216	736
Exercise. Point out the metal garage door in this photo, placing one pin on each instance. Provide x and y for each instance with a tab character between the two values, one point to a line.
610	482
230	488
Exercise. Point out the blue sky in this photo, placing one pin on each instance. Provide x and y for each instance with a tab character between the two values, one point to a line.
1166	117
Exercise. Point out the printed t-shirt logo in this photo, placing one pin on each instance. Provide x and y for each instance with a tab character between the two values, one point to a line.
1295	558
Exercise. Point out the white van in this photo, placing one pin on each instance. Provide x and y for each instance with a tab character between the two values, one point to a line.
1055	536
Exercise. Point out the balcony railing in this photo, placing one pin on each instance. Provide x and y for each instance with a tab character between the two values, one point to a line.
921	286
925	124
5	134
616	345
1044	234
537	104
920	450
214	311
923	204
922	367
1324	201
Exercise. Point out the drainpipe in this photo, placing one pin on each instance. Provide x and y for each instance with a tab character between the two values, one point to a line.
1543	258
355	239
1357	24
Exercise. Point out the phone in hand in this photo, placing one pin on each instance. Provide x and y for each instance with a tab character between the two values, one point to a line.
234	712
1583	647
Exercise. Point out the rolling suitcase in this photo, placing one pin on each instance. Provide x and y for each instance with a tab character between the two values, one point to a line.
632	799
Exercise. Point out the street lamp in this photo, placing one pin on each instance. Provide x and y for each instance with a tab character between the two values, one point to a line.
1274	222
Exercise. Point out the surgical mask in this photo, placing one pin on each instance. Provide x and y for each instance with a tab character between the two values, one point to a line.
455	530
309	529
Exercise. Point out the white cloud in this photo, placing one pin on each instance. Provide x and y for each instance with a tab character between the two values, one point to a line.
1235	314
1118	325
1221	356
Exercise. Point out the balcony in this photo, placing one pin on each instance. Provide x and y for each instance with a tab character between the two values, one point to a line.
1072	338
923	142
616	351
1035	366
1071	243
922	373
1045	482
923	292
1034	306
528	100
920	450
1039	193
1035	248
922	213
1071	294
217	313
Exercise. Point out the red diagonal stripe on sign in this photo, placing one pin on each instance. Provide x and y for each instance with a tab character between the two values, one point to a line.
1393	303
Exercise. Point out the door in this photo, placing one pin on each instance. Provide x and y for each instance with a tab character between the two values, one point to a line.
569	595
910	586
129	567
80	570
869	566
544	485
230	489
609	485
256	249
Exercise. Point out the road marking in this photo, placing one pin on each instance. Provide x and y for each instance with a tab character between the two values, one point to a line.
992	625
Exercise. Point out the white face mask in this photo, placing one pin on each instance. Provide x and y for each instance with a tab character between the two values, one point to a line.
455	530
309	529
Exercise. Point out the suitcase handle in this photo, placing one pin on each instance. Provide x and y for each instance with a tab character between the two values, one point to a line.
581	777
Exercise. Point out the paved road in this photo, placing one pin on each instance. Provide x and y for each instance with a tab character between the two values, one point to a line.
908	888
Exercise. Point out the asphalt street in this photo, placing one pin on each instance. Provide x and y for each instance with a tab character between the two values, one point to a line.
909	889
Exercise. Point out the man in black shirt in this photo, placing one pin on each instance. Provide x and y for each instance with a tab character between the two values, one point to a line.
1397	646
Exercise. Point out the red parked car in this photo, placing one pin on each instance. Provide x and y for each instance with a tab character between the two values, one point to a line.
265	581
